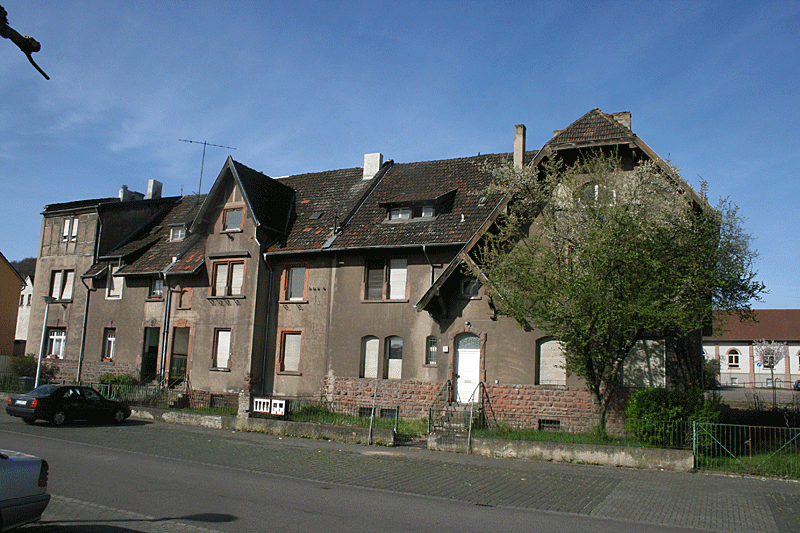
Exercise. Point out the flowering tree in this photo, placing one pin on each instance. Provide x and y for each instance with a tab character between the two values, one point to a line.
769	354
601	255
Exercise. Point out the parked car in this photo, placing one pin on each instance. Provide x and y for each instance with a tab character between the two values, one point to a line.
60	403
23	489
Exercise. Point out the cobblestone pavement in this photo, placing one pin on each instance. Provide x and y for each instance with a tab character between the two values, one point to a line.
688	500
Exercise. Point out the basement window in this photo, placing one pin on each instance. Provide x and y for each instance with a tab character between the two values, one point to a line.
549	425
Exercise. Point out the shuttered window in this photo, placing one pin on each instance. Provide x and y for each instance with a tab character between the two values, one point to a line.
397	279
385	280
290	360
228	278
369	357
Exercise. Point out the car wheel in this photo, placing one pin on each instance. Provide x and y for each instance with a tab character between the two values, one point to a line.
58	418
28	419
119	416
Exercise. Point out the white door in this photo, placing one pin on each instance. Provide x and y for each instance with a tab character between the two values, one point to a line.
468	361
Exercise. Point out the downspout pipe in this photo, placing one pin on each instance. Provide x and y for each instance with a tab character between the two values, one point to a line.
267	318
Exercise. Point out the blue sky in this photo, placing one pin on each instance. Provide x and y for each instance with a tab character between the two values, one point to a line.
312	86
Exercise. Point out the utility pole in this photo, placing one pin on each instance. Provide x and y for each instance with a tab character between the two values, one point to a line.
203	162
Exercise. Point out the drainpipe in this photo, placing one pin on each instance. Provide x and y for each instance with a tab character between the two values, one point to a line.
165	333
268	306
433	273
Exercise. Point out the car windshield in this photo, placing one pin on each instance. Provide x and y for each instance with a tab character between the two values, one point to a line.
43	390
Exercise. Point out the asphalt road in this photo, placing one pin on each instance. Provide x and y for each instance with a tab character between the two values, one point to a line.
145	476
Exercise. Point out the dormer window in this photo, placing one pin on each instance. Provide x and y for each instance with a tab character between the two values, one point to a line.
232	219
428	211
177	233
400	213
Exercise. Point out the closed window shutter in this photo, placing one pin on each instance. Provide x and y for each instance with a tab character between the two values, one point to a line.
223	348
371	358
65	232
56	292
397	279
291	352
237	278
66	292
75	229
374	281
221	281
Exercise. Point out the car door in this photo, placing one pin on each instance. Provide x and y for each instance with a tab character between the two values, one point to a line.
72	403
96	406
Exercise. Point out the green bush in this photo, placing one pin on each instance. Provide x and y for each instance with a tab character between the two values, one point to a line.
121	379
25	366
660	417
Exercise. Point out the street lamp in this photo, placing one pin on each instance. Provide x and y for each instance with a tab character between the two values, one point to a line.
47	300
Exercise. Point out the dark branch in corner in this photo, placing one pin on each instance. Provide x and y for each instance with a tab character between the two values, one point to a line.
26	43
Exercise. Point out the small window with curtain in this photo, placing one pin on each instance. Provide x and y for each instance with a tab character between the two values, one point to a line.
290	351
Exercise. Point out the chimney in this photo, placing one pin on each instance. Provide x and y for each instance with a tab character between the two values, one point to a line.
372	164
124	194
624	118
153	189
519	145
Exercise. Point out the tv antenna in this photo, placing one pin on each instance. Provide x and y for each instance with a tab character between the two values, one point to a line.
203	162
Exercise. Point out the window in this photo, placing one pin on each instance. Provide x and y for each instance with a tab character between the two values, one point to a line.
291	344
427	211
70	231
295	283
29	299
21	300
597	195
470	288
385	280
109	343
56	339
222	348
369	357
431	350
114	287
733	359
734	381
400	213
228	278
156	288
394	358
61	282
232	219
177	233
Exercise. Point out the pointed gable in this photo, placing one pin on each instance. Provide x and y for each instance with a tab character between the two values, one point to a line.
269	201
593	128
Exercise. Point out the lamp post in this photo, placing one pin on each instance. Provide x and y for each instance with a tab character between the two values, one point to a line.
47	301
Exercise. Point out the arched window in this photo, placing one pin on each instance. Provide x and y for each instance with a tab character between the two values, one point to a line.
393	369
733	358
369	357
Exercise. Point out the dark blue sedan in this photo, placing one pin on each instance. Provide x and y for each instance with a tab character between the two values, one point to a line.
60	403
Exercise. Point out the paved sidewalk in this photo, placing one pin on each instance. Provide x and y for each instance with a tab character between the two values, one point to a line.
694	501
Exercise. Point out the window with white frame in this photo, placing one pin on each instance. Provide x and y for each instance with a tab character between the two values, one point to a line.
70	230
400	213
232	219
393	368
114	286
109	343
228	278
61	282
56	339
733	358
431	350
291	346
370	350
222	349
177	233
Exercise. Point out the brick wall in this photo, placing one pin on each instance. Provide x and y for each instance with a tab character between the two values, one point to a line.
413	397
90	371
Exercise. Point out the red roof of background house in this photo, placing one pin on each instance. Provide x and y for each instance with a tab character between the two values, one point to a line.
770	324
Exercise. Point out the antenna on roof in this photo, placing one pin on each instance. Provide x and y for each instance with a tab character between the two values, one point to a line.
203	162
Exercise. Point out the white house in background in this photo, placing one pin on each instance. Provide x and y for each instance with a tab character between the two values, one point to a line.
732	346
23	317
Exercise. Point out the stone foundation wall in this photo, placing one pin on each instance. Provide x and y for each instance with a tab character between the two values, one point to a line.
90	371
414	398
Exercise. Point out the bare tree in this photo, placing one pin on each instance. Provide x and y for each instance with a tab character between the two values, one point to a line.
26	43
769	354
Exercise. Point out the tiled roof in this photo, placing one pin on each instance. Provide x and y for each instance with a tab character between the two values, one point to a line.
270	200
322	200
771	324
425	182
152	251
593	127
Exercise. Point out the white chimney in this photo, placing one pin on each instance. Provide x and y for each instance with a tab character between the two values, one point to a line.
372	164
519	145
153	189
123	193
